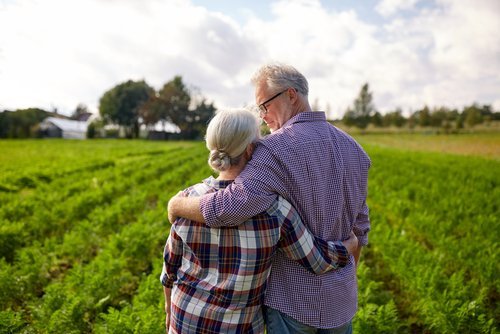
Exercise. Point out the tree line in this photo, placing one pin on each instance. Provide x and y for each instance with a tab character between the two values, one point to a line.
363	113
128	105
135	103
132	104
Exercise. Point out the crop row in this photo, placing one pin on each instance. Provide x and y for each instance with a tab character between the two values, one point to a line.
53	268
52	209
433	244
81	243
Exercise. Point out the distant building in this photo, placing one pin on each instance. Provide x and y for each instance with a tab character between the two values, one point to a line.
160	131
63	128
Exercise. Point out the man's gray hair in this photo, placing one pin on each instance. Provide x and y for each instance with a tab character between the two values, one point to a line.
279	76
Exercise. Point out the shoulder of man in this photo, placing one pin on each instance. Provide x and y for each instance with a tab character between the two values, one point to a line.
276	140
352	143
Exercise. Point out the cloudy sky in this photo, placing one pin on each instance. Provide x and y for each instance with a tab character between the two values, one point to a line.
59	53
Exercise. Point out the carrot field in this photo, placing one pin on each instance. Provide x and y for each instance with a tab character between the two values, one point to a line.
83	224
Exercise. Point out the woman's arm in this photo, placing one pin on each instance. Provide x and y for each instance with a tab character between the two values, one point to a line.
172	260
316	255
167	292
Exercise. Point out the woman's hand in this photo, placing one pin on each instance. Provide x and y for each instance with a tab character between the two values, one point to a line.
167	320
167	292
351	243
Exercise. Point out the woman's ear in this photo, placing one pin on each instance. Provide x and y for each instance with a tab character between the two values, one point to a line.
249	151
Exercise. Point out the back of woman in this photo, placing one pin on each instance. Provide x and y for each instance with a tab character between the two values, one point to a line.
221	278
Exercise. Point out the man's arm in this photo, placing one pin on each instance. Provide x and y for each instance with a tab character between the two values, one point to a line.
186	207
361	229
253	191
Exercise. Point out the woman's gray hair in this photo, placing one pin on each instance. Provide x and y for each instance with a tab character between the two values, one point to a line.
228	135
281	76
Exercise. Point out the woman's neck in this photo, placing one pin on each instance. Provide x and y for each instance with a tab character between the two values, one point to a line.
230	174
233	171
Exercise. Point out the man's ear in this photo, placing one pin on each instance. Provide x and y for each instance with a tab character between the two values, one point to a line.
292	94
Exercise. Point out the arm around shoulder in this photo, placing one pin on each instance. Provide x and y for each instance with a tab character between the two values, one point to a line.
185	207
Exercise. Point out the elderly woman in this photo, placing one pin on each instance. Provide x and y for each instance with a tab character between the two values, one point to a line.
214	278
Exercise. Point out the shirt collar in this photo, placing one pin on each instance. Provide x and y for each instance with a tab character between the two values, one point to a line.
217	184
306	116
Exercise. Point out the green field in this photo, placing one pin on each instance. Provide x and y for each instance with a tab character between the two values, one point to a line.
83	223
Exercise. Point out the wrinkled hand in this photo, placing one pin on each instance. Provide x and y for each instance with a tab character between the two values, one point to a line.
351	243
171	208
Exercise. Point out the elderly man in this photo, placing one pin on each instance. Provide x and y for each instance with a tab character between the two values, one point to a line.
323	172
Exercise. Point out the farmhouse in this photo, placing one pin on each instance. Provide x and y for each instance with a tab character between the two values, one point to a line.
63	128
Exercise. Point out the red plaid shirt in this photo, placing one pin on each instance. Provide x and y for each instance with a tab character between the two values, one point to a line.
219	275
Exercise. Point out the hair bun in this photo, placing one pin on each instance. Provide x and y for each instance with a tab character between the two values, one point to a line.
219	160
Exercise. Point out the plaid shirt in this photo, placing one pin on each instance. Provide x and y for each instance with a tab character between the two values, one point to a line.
323	173
219	274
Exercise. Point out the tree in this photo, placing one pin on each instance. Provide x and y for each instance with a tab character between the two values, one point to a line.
424	116
377	119
359	115
395	118
176	98
22	123
199	118
151	112
179	105
474	114
81	113
121	104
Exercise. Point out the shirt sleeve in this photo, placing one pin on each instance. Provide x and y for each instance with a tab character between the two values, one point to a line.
172	258
253	191
362	225
316	255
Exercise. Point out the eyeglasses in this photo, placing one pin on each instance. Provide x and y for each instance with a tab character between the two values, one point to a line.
262	106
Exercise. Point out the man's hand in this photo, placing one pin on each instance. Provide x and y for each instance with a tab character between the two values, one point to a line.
351	244
171	208
185	207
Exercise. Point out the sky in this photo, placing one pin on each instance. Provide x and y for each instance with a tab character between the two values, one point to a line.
56	54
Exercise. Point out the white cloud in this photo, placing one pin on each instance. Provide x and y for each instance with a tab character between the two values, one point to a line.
60	53
390	7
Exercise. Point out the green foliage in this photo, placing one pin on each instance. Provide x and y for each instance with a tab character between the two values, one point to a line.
175	103
94	250
121	104
362	111
83	224
21	123
10	322
432	238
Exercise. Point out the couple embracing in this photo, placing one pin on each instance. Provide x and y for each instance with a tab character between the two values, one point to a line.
274	240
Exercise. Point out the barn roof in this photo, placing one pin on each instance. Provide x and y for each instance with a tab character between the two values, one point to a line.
68	124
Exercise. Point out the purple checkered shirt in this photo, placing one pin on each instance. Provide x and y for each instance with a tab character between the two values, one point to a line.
219	275
323	172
